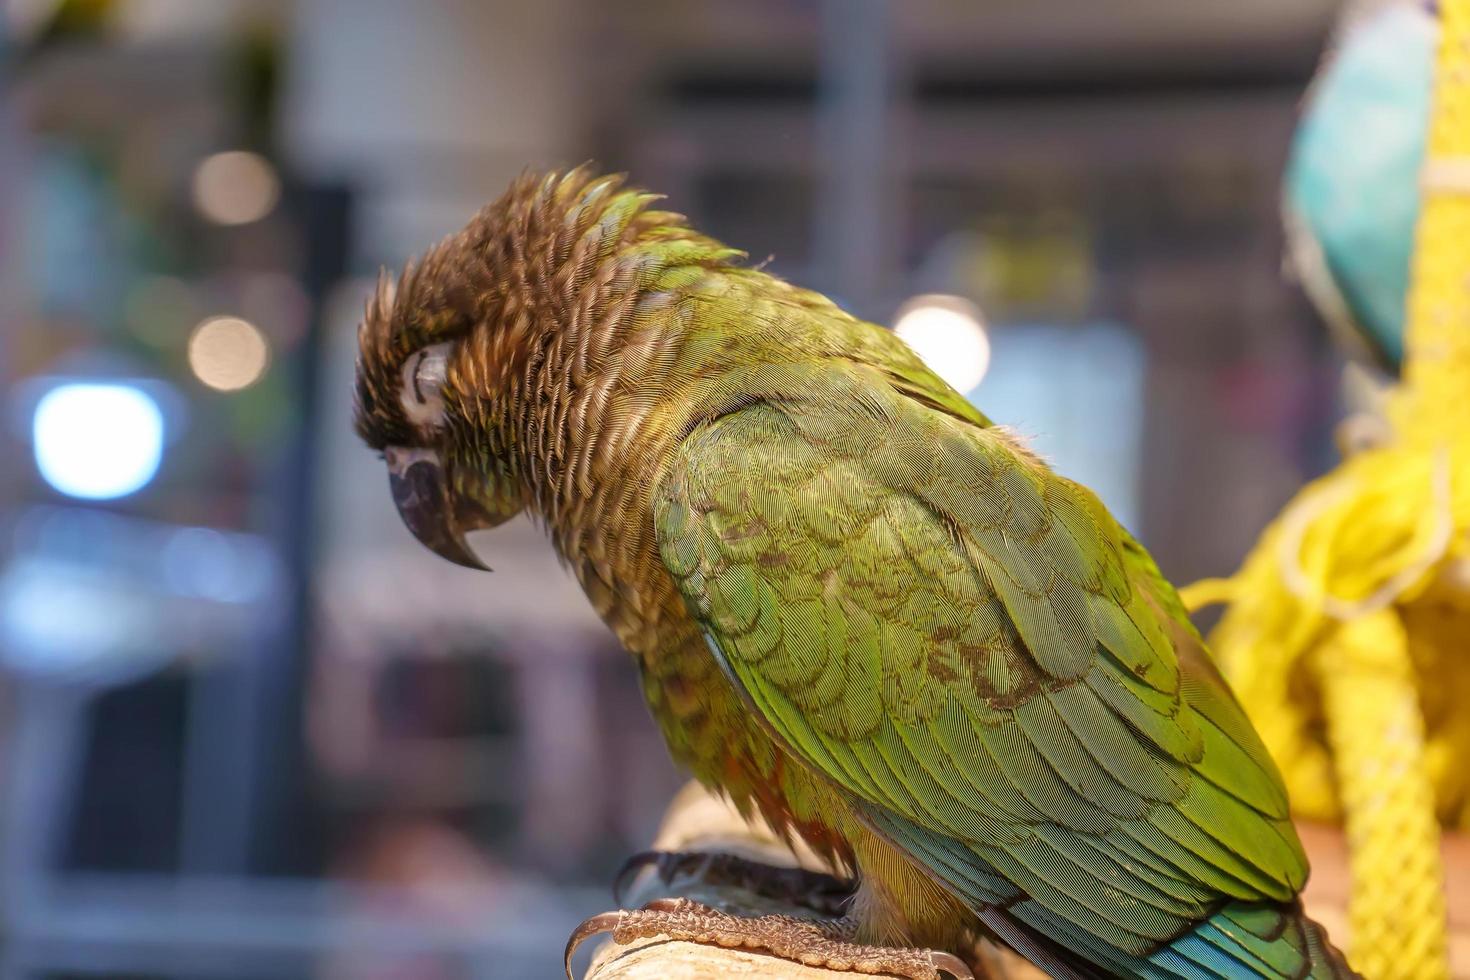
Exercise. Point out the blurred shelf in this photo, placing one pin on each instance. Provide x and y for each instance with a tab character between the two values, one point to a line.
281	928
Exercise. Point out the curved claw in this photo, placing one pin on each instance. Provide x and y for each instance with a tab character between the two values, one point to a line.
602	922
951	964
630	870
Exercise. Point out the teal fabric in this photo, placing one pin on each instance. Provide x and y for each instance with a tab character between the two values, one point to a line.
1353	179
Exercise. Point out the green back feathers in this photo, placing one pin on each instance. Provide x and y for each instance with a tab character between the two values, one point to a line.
970	647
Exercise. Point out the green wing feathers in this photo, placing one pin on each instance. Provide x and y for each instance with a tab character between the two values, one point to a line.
972	650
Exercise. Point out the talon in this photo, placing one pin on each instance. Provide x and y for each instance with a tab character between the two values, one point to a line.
603	922
631	869
951	964
818	943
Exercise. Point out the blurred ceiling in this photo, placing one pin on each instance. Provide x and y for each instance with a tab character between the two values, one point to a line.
930	28
995	29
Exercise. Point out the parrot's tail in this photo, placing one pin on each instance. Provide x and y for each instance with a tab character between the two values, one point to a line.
1261	940
1256	939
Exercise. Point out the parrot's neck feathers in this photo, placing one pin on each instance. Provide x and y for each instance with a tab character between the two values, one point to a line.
567	246
571	264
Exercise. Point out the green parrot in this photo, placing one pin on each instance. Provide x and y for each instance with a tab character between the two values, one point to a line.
858	607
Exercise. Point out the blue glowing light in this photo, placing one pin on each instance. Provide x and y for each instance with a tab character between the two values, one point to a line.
97	441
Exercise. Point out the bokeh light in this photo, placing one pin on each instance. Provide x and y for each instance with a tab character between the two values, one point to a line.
235	187
228	353
97	441
947	334
210	564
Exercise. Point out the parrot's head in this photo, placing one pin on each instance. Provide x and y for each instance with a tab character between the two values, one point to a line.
418	397
467	360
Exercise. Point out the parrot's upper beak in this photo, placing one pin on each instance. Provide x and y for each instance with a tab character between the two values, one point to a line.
436	517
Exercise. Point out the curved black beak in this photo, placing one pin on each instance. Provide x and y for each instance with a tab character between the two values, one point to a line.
428	507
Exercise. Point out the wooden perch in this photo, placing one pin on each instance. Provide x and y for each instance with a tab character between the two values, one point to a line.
697	821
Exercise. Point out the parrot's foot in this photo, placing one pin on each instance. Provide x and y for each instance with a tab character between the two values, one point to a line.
823	945
824	894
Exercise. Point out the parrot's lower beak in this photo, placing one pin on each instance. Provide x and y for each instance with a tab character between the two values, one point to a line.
438	518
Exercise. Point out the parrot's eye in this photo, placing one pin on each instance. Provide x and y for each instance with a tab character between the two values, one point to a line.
422	396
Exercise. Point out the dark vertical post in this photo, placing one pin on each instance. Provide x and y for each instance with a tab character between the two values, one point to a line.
854	198
284	823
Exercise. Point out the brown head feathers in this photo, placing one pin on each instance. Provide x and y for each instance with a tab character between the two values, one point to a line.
546	259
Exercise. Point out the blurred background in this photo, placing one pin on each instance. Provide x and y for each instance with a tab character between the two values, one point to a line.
248	727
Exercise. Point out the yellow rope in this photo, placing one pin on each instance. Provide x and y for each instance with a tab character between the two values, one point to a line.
1376	735
1436	392
1358	691
1345	630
